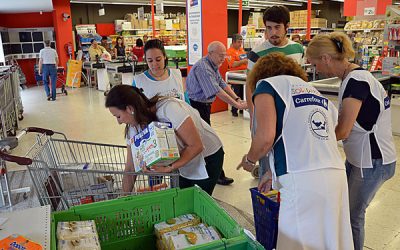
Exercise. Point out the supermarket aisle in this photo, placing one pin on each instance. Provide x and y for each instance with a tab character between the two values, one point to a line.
81	116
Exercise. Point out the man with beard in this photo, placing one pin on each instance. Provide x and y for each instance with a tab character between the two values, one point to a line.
276	20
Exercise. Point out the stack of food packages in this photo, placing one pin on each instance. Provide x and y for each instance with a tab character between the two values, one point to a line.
77	235
365	24
184	231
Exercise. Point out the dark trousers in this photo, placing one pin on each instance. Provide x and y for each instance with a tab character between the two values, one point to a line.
205	113
238	89
214	164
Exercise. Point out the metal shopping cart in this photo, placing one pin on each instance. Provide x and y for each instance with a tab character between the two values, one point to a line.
66	173
61	79
8	107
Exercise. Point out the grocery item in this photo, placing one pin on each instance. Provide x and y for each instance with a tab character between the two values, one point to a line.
18	242
76	230
84	243
156	144
194	235
175	224
186	239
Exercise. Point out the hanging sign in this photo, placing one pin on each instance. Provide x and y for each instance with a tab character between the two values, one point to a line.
140	12
245	3
195	37
159	7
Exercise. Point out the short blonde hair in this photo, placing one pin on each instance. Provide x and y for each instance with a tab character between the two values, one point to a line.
274	64
335	44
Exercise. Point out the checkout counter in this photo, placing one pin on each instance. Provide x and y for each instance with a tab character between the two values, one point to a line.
103	70
330	88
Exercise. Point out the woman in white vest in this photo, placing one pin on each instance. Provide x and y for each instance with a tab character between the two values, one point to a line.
295	124
364	124
158	79
201	153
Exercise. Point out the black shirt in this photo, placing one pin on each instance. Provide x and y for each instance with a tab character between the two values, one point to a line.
369	110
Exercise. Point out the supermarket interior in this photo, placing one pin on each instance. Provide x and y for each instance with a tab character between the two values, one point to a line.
132	124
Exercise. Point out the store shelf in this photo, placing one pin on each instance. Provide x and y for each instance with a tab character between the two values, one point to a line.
303	28
372	45
364	30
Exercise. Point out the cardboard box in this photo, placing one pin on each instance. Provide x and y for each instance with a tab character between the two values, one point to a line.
156	144
129	17
319	22
144	24
73	180
126	25
92	193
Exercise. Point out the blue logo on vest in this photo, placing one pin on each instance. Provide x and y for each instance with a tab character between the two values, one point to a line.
310	99
386	102
318	123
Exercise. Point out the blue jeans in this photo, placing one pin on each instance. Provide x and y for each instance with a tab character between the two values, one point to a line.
361	193
49	70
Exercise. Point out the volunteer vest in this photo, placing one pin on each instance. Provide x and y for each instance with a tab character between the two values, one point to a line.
170	87
308	131
357	145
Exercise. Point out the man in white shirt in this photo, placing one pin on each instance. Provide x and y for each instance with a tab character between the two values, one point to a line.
48	61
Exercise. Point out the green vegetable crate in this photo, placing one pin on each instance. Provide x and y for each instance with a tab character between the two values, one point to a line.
127	223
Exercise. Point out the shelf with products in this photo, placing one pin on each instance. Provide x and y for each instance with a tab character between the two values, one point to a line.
367	37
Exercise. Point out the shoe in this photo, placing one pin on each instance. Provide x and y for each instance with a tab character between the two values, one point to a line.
225	181
241	111
53	99
48	98
235	114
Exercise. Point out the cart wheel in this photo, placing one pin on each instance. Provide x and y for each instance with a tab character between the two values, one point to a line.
25	196
65	92
20	117
255	172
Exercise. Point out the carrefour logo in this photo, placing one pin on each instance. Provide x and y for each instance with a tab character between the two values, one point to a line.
310	99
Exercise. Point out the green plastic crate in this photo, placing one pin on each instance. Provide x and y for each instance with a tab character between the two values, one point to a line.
243	242
127	223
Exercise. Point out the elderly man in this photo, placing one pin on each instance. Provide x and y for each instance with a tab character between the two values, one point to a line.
48	61
204	83
95	50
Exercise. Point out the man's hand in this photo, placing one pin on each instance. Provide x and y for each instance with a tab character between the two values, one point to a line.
265	182
161	169
245	164
241	104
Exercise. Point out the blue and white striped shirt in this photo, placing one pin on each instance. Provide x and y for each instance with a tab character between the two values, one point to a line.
204	81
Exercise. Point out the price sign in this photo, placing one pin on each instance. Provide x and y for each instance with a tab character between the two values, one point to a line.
245	3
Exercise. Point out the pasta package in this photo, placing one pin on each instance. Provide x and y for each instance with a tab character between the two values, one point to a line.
75	230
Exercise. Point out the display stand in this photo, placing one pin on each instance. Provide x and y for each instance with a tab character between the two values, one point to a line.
32	223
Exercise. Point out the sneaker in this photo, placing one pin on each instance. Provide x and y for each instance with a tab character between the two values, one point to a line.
235	114
48	98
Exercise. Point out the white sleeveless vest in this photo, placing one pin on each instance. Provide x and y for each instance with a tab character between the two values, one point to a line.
170	87
357	145
308	131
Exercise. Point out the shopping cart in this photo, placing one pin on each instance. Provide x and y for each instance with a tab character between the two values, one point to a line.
66	173
61	79
8	107
266	213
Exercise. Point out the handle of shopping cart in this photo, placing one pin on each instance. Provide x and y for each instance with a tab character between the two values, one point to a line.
17	159
39	130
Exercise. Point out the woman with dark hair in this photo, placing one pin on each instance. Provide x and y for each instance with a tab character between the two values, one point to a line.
294	123
364	124
138	50
201	153
158	79
119	48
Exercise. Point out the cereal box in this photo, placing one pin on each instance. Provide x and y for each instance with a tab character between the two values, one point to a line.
156	144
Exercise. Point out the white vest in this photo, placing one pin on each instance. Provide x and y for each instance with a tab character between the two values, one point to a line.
308	131
171	87
357	145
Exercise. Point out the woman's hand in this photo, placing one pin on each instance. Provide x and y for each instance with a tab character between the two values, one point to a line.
266	182
246	165
161	169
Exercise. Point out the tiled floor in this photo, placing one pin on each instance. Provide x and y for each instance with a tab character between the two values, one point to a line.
81	115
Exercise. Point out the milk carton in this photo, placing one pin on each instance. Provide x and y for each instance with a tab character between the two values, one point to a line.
156	144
